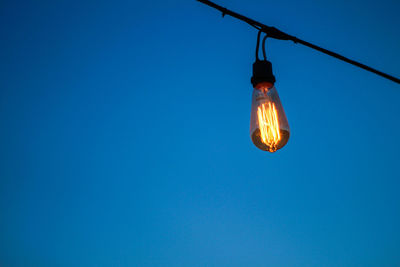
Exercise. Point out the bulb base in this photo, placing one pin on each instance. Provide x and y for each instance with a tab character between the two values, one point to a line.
262	72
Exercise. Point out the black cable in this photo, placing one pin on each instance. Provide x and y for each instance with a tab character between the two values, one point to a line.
258	44
273	32
263	46
254	26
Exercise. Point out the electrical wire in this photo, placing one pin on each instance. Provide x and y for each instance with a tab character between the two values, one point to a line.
273	32
263	46
258	45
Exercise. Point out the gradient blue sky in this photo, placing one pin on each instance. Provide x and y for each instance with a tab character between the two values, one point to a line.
124	136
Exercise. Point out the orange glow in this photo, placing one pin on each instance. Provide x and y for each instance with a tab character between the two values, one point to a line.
269	125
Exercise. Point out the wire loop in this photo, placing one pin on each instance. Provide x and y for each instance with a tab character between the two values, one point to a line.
263	45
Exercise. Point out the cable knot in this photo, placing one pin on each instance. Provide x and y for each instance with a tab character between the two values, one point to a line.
224	11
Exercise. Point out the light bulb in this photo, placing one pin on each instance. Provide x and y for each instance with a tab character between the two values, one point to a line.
269	128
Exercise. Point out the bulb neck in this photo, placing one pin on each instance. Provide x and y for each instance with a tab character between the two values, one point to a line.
262	72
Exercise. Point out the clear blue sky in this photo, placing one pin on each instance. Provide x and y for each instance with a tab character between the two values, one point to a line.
124	136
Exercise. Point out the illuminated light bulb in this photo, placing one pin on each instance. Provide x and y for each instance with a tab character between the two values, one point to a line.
269	128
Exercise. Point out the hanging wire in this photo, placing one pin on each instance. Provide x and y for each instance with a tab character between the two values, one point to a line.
263	46
277	34
258	44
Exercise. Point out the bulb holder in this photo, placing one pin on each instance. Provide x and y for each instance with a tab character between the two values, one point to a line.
262	72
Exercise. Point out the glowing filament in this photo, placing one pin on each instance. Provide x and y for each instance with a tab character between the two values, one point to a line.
269	125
